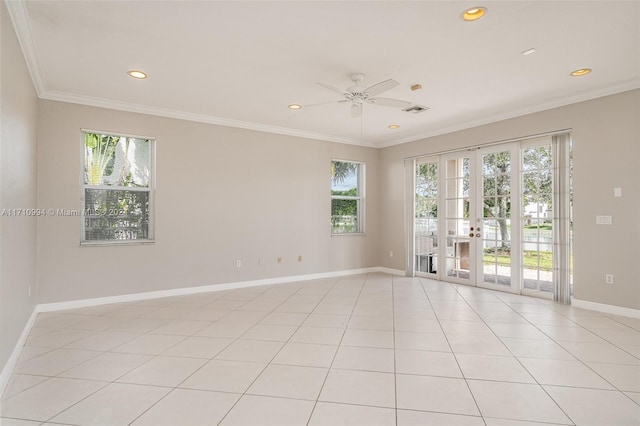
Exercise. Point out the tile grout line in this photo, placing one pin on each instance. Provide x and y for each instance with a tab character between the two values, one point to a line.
355	303
451	348
223	349
395	366
516	358
194	372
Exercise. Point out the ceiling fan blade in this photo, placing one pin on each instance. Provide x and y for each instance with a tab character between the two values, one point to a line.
394	103
383	86
324	103
356	110
330	87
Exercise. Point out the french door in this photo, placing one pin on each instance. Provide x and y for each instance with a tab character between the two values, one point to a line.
484	217
479	215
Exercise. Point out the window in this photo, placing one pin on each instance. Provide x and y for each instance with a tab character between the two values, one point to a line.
347	197
117	188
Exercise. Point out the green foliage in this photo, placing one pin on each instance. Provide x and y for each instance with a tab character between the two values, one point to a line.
341	207
116	215
537	177
99	156
427	190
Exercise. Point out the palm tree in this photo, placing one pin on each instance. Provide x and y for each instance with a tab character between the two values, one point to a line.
340	170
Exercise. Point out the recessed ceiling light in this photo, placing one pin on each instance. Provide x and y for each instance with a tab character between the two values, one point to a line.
529	51
295	106
580	72
474	13
137	74
394	126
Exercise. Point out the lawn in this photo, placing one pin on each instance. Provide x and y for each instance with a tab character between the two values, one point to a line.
530	259
543	227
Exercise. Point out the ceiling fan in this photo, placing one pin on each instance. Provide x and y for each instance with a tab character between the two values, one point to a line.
359	95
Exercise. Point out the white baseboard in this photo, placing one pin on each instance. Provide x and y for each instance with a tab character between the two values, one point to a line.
7	370
607	309
74	304
390	271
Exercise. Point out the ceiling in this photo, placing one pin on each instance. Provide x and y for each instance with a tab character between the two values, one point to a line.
241	63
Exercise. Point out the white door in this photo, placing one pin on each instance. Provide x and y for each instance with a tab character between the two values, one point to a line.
480	211
496	234
457	245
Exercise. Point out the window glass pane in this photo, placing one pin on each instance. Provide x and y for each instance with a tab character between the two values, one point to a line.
116	160
427	180
347	191
344	216
345	178
116	215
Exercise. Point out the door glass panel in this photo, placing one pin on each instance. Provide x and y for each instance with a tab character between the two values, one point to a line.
458	259
496	208
536	221
426	217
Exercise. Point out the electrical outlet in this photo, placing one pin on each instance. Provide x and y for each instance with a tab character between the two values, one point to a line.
608	278
391	253
279	260
238	263
299	258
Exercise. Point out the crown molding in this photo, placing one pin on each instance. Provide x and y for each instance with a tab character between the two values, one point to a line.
203	118
18	14
586	95
200	118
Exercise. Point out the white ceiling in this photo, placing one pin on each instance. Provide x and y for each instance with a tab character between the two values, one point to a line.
240	63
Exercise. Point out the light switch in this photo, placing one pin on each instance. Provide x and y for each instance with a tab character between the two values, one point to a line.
604	220
617	192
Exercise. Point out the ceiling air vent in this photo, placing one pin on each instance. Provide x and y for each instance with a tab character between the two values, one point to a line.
415	109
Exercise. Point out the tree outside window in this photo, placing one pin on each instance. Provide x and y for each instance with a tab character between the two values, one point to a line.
347	194
117	172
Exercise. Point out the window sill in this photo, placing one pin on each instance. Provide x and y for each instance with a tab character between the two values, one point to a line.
116	243
350	234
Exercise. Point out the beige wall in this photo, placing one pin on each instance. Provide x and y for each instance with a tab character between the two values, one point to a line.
17	190
222	194
606	135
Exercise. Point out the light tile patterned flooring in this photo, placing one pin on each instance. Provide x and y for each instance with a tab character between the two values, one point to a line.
360	350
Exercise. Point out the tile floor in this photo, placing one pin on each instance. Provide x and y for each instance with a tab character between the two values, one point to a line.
359	350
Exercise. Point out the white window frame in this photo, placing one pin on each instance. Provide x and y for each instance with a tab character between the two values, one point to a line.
360	198
150	189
